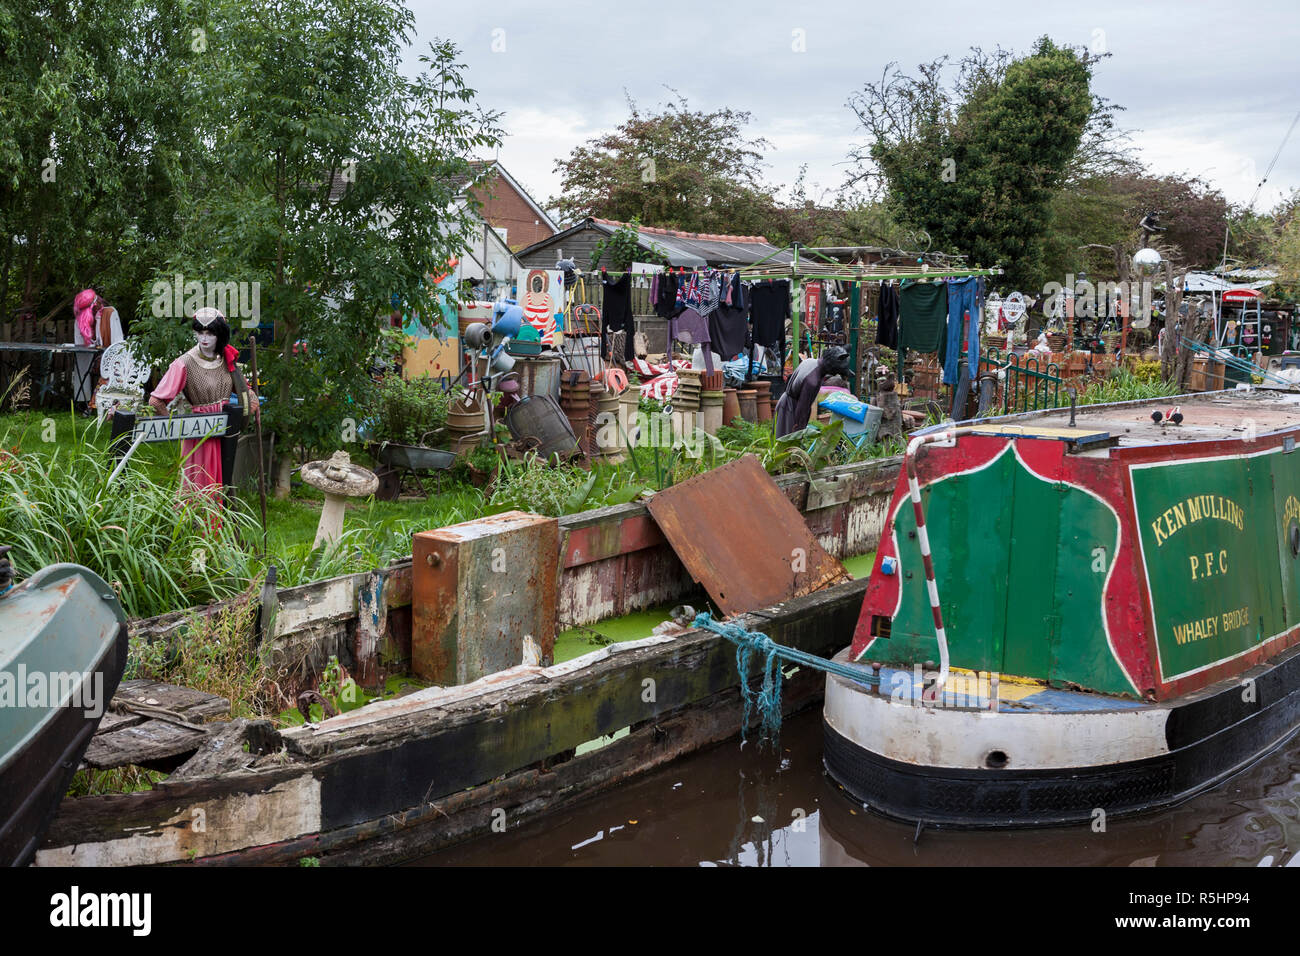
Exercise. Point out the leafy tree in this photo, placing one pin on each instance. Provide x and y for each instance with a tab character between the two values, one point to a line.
975	165
1275	240
1258	239
624	248
679	168
334	186
94	145
1105	212
1192	212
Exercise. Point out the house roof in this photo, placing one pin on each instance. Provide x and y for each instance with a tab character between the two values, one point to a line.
479	164
691	249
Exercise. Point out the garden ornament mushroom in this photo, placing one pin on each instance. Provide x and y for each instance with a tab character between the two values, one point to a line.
340	480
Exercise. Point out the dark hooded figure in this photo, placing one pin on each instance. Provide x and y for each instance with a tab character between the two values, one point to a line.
795	407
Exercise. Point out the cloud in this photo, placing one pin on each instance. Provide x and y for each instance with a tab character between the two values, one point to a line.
1206	95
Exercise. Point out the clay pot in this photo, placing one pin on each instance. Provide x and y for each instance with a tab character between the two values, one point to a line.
763	400
748	404
730	406
711	411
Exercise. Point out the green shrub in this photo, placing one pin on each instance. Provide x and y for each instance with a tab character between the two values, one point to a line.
1147	372
404	411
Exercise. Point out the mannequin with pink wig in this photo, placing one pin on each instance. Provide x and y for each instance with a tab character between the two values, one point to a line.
97	325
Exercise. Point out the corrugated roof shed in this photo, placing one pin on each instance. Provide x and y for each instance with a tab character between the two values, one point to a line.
689	249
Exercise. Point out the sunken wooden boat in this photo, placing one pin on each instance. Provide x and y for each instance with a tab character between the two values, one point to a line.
399	778
1111	621
63	646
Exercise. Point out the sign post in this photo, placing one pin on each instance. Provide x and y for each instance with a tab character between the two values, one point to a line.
128	434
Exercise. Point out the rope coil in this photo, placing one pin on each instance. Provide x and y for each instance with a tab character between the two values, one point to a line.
767	699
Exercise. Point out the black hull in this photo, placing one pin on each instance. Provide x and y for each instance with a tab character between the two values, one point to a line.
1210	738
34	785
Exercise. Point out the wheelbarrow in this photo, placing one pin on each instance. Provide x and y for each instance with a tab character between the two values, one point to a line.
398	460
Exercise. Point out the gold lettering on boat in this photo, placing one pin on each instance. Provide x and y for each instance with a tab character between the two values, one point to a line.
1204	628
1290	510
1235	619
1198	508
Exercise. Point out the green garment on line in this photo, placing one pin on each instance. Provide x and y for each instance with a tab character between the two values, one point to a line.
923	316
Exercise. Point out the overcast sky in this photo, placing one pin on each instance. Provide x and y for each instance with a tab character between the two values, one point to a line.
1209	89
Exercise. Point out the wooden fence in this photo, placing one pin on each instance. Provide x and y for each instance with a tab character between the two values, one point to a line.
50	331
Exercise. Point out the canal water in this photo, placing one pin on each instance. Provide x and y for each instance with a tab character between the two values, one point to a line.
751	806
728	806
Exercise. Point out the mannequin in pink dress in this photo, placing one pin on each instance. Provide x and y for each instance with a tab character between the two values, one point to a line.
207	376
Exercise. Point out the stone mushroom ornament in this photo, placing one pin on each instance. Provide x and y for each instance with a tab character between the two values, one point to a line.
340	480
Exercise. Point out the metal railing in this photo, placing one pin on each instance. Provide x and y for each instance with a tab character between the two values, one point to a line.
1029	386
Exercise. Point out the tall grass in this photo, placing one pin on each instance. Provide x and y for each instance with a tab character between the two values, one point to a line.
370	539
1121	385
215	654
158	550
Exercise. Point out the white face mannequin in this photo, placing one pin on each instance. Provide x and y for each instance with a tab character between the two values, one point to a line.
207	343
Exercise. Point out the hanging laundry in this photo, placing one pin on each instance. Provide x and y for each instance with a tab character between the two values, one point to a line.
973	336
922	315
710	291
728	329
769	307
616	316
887	323
692	328
666	295
963	307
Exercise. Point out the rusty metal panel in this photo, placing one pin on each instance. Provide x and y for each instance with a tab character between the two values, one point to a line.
740	537
477	589
608	538
435	588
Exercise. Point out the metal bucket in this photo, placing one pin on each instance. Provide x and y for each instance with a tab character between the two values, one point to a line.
465	422
541	422
539	376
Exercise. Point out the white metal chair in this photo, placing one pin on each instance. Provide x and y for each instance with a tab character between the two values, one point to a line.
126	374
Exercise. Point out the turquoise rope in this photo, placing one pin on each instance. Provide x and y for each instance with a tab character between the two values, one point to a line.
768	697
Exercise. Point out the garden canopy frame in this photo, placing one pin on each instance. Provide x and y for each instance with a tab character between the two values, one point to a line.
803	270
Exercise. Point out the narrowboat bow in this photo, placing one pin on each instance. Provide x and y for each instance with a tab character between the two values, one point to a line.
1078	618
63	646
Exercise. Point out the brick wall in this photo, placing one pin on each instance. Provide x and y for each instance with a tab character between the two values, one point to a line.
505	209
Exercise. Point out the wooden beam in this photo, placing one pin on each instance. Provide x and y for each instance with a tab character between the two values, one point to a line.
342	785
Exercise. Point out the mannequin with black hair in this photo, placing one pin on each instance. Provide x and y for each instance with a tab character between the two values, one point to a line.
794	409
206	375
